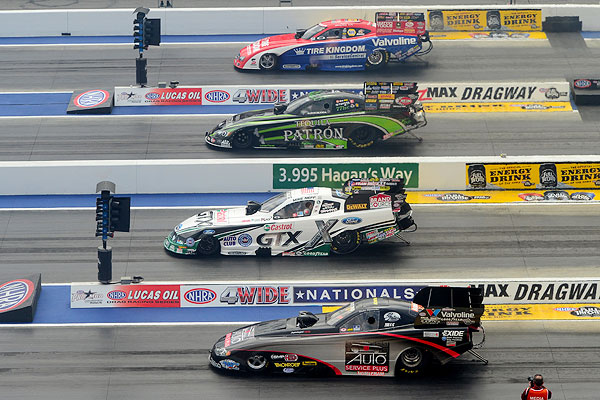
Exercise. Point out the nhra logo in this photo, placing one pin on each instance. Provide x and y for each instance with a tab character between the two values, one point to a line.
91	98
200	296
116	295
582	83
217	96
14	293
152	96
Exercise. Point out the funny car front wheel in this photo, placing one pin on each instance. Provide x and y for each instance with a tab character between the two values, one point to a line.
268	62
377	59
256	362
208	246
242	140
345	242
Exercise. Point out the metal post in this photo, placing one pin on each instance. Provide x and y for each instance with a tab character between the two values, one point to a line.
104	263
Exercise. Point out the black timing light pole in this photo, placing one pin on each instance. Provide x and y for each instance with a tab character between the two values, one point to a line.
146	32
112	214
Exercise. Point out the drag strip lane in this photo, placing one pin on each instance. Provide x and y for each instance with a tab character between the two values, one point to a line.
465	242
155	362
78	67
182	137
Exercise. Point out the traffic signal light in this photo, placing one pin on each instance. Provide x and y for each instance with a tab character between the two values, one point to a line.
151	32
138	31
119	214
102	216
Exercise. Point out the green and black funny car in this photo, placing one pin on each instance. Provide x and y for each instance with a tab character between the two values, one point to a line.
326	120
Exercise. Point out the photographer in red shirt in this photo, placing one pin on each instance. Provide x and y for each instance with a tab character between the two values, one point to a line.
536	389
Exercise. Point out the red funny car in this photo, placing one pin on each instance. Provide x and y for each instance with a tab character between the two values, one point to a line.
342	44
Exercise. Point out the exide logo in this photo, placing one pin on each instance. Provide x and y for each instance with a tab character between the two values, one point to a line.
116	295
200	296
217	96
152	96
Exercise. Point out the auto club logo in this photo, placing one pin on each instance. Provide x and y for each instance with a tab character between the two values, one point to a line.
91	98
14	293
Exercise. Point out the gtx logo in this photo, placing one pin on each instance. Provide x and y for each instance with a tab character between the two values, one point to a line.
275	239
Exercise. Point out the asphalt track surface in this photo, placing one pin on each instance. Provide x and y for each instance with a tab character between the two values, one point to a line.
182	137
58	4
69	67
451	242
162	362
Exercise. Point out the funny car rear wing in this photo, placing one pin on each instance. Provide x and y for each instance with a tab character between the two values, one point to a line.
390	96
366	194
448	306
400	23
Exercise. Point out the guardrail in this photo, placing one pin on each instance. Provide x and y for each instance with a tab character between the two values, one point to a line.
218	21
275	174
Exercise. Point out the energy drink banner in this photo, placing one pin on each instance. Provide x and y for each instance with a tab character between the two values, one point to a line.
485	20
583	175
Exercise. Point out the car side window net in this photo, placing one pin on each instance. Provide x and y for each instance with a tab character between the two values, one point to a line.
335	33
297	209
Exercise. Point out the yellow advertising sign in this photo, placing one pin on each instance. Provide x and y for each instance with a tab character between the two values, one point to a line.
515	312
548	106
549	176
486	35
500	196
484	20
521	20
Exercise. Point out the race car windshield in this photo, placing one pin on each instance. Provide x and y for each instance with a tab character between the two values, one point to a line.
339	315
297	105
312	31
273	202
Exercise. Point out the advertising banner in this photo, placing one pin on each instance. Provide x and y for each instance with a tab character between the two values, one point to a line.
584	175
226	95
94	101
293	176
485	20
502	196
138	295
494	92
587	84
206	294
180	96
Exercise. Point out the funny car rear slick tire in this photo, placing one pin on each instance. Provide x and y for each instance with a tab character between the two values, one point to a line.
208	246
412	361
345	242
268	62
377	59
242	140
362	137
256	363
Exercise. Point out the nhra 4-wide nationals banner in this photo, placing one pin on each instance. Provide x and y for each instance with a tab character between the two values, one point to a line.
484	20
206	294
205	95
527	176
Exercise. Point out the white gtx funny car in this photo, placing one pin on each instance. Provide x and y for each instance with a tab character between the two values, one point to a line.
301	222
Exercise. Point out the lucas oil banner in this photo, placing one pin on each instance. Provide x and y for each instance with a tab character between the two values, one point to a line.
485	20
248	294
583	175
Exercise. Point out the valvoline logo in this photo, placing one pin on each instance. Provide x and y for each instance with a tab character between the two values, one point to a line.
152	96
14	293
217	96
200	296
116	295
91	98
